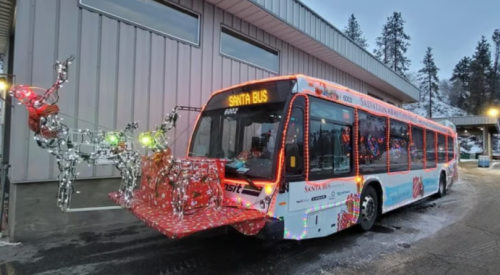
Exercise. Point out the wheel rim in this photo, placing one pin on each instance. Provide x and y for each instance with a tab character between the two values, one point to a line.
441	187
368	210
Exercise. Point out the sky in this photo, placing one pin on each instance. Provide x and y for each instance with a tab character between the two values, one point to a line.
451	28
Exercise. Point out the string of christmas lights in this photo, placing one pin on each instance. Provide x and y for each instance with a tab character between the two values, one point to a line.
181	176
52	134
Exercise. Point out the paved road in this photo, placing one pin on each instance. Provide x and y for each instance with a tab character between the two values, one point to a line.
458	234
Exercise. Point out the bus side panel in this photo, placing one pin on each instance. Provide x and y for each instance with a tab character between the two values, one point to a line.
404	188
320	208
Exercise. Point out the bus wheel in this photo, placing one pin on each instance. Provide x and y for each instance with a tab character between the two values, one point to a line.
369	208
442	186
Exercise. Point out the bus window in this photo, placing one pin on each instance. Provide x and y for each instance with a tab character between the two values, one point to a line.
398	144
441	148
430	144
372	143
330	139
294	140
417	148
450	148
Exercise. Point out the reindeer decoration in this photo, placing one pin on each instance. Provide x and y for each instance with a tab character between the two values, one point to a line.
67	145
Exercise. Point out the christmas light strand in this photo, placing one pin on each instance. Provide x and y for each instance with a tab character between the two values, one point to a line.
68	145
181	174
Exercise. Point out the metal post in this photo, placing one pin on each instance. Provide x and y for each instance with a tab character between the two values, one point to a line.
485	140
5	189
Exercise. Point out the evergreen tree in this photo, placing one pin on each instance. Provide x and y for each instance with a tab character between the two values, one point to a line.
429	82
495	70
354	32
461	76
480	67
393	44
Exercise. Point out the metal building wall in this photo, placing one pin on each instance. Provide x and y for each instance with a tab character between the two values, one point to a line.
124	73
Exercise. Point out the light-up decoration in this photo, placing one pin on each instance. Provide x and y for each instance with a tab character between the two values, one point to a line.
66	145
191	183
241	99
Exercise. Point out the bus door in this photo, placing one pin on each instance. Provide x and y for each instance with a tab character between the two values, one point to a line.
328	195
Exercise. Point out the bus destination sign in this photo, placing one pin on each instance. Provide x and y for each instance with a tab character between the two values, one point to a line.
249	98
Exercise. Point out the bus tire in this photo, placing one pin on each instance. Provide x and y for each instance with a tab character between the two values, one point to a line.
442	186
368	208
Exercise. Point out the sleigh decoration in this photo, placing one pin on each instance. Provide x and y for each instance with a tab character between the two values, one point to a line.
179	196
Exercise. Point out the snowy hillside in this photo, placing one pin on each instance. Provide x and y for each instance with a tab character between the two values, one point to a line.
439	108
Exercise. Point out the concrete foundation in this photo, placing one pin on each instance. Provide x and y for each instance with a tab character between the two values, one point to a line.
33	212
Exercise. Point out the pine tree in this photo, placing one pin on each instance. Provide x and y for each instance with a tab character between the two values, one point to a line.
461	76
495	70
354	32
480	67
429	82
393	44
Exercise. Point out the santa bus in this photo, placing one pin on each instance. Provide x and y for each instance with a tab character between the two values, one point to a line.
303	158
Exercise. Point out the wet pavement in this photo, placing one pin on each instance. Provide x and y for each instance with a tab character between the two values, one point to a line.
457	234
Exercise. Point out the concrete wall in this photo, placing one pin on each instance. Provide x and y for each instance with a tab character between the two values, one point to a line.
125	73
34	214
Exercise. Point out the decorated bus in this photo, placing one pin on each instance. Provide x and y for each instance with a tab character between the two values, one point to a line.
297	157
289	157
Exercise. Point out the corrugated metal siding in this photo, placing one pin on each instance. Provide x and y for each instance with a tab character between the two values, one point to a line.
5	19
123	72
303	18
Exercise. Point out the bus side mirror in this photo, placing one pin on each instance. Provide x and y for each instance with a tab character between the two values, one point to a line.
292	159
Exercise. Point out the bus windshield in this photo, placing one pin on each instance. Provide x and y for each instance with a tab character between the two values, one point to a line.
241	131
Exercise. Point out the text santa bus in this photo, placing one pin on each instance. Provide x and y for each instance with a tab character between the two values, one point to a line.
305	158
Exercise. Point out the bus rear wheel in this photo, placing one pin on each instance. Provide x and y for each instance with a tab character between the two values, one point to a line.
442	187
368	208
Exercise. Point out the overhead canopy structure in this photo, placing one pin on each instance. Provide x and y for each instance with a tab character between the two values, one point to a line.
478	123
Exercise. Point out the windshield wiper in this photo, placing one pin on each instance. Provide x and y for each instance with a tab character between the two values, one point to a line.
233	171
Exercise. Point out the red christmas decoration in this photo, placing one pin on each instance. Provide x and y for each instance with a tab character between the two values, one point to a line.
418	187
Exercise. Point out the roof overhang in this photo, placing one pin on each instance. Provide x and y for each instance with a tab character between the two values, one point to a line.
363	68
6	17
470	122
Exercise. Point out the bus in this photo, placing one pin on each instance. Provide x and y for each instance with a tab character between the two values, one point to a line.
307	157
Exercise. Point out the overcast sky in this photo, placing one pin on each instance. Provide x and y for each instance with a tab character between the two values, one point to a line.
451	28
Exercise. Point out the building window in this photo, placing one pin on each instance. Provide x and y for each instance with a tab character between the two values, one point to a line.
391	103
372	143
417	149
441	148
330	140
158	16
430	144
244	49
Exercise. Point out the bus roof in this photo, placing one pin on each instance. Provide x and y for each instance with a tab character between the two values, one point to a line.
335	92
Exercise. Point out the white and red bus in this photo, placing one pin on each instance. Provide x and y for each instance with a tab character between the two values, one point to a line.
316	157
